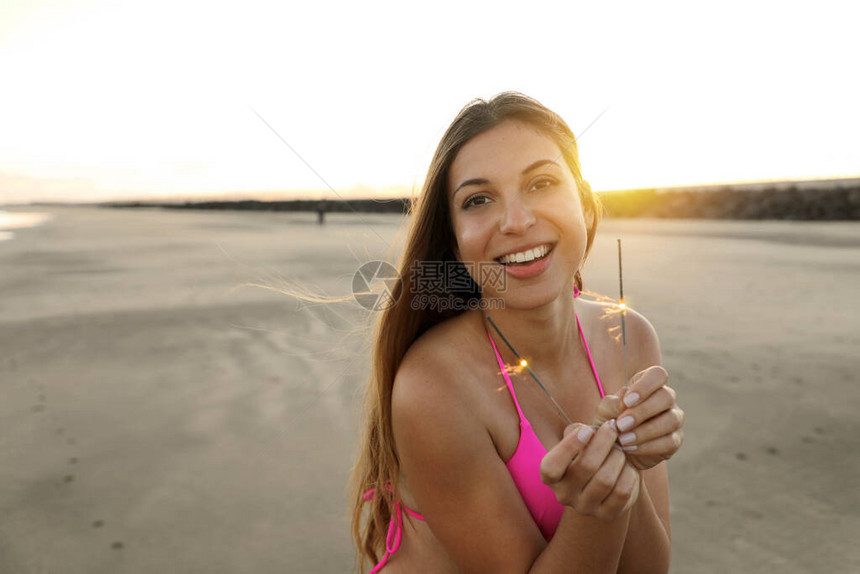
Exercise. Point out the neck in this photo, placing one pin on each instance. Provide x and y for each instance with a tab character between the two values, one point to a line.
543	336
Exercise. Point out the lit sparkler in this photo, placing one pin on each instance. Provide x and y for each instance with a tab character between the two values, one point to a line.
623	307
524	363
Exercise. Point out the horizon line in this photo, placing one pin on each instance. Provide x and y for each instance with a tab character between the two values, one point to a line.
304	194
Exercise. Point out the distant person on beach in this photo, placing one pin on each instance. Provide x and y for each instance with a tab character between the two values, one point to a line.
321	211
464	463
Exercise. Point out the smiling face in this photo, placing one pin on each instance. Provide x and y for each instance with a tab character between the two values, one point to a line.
510	191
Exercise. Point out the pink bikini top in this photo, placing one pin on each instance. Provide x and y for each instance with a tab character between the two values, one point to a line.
524	467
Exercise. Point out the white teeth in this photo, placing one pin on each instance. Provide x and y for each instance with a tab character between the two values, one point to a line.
527	255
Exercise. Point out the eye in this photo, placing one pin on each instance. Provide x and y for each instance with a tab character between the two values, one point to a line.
470	202
546	181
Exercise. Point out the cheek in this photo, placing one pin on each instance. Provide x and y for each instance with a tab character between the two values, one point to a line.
471	240
576	229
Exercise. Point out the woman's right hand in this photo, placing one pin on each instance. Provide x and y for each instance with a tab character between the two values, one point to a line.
588	472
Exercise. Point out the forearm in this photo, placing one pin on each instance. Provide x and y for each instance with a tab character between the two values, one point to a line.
583	544
647	546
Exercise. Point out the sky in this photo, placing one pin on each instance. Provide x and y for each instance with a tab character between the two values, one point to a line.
168	99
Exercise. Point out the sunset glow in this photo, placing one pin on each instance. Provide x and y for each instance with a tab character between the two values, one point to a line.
155	99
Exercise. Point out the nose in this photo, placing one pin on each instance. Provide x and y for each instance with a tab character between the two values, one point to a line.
516	217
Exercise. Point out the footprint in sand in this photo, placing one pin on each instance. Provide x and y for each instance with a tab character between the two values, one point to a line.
69	478
771	450
98	523
73	460
741	455
808	439
117	545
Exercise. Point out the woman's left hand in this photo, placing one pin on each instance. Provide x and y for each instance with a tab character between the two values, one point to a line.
650	427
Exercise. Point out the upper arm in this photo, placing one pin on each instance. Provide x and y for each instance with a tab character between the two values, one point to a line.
461	485
645	352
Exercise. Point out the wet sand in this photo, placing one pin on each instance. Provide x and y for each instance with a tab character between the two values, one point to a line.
158	416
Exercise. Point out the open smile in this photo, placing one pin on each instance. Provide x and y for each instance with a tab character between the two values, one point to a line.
526	256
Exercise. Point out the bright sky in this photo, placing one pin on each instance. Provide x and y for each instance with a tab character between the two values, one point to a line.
154	98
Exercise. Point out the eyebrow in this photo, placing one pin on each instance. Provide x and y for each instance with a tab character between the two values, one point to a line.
481	180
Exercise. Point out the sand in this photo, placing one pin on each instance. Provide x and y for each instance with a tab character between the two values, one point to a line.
158	417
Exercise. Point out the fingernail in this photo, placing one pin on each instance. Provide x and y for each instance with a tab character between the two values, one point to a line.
628	448
611	423
585	433
625	423
631	399
627	438
569	429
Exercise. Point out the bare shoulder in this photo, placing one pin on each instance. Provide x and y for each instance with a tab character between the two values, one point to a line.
643	343
434	394
434	367
642	340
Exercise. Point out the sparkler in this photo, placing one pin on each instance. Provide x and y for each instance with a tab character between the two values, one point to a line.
623	313
601	416
524	363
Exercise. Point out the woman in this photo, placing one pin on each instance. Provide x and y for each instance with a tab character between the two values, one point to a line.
464	464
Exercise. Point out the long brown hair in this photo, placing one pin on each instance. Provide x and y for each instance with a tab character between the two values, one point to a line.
431	239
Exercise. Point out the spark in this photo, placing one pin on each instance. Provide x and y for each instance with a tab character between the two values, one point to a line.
529	369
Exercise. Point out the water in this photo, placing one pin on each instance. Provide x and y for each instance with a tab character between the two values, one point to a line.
19	220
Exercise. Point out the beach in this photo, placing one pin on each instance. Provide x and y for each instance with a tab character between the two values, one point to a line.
159	414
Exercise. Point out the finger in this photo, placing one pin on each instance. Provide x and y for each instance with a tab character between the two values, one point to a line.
609	408
584	466
644	383
624	495
603	481
555	462
665	423
664	446
662	400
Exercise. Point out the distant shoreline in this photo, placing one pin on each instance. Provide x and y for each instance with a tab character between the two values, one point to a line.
811	200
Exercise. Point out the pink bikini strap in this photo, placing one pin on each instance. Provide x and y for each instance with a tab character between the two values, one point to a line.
590	359
395	527
576	293
523	419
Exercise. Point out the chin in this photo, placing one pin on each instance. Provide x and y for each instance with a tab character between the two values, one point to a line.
530	297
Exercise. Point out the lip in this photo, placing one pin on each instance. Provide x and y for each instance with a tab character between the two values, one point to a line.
529	270
527	247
